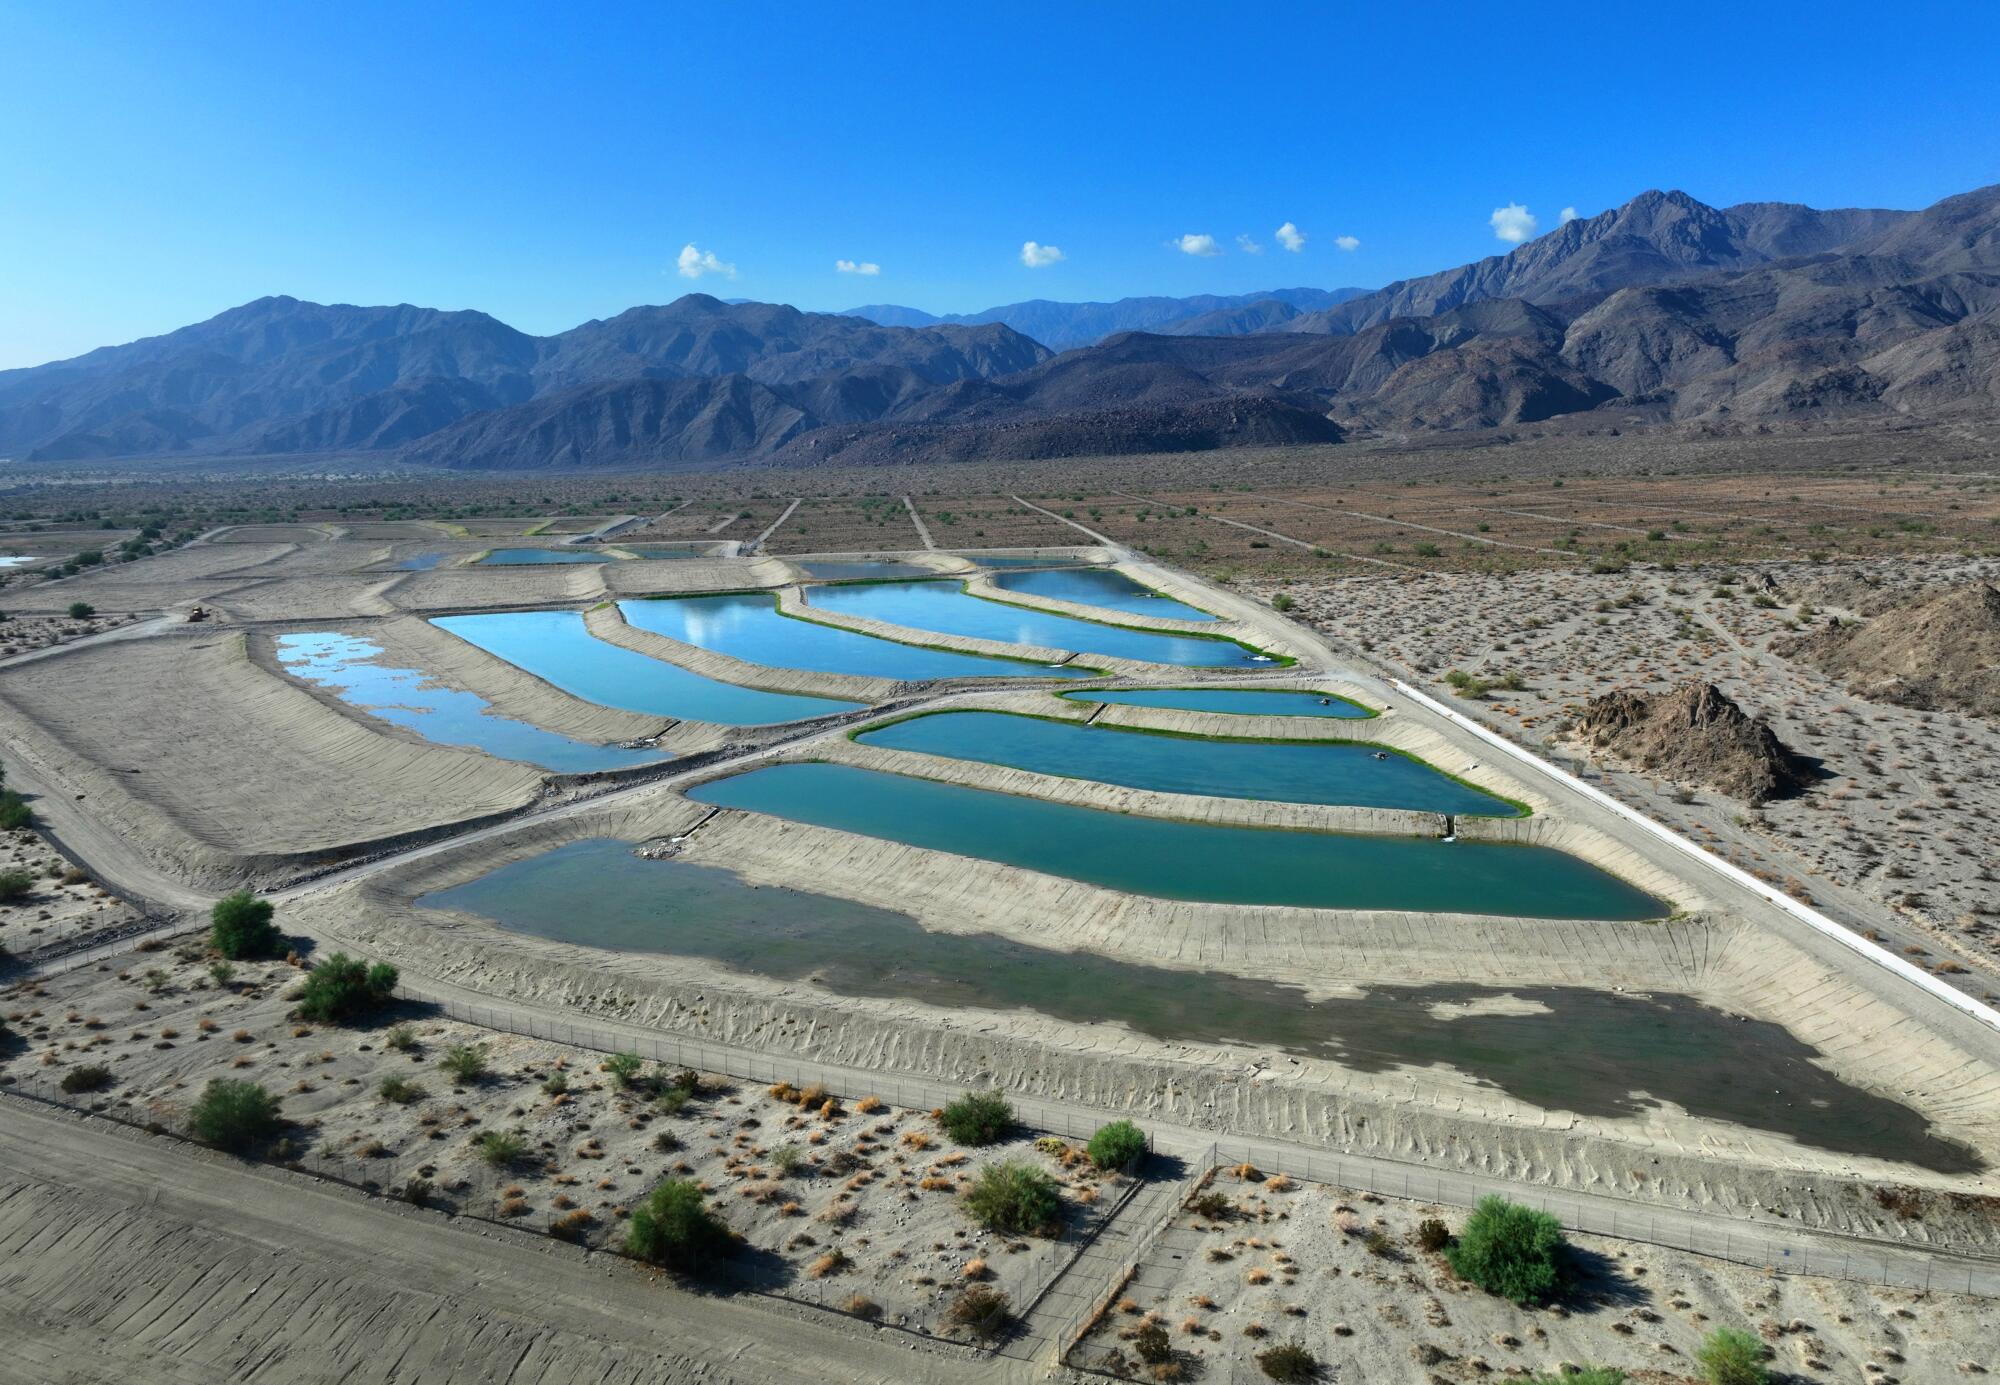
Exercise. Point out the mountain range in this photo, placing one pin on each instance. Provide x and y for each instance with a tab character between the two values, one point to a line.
1762	311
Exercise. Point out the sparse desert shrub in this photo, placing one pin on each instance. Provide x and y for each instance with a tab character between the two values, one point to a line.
1432	1235
1282	602
91	1077
571	1225
1288	1361
15	813
977	1118
786	1159
1015	1198
417	1192
862	1306
400	1090
833	1262
1589	1375
15	884
465	1062
342	987
556	1083
1117	1145
981	1309
1730	1357
1377	1243
501	1148
1510	1250
402	1038
1153	1344
233	1114
673	1227
222	973
624	1068
1214	1206
240	927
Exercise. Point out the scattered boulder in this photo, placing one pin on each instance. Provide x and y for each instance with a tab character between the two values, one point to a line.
1938	652
1694	734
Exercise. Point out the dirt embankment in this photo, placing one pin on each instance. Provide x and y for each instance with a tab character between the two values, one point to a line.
1939	652
1694	734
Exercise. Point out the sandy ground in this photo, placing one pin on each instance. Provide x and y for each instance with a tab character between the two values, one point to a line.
1340	1272
65	903
1888	838
853	1205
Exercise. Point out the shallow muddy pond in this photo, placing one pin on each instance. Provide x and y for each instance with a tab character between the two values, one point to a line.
1252	702
422	562
528	557
558	648
946	608
666	551
348	666
748	625
1015	560
1276	771
1187	860
1563	1048
1101	587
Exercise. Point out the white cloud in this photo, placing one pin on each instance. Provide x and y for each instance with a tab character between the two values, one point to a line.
866	267
1291	237
1513	223
1249	246
1192	244
1348	243
1569	214
1037	256
694	263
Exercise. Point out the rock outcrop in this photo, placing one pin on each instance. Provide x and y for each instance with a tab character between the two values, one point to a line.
1693	734
1938	652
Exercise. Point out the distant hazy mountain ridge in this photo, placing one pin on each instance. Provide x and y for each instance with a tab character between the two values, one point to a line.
1666	305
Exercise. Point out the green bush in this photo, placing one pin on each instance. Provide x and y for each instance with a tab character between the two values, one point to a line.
91	1077
1117	1145
400	1090
1288	1361
624	1067
673	1227
81	610
1153	1344
341	987
1014	1197
1282	602
501	1147
241	926
1510	1250
233	1114
465	1062
402	1038
14	811
1730	1357
15	884
977	1118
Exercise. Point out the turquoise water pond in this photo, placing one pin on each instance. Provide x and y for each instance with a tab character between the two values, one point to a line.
945	608
749	626
1593	1052
1281	771
528	557
1187	860
1254	702
558	648
1099	586
347	665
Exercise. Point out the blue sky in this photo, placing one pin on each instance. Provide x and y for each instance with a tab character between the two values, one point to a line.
549	164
